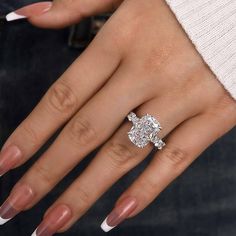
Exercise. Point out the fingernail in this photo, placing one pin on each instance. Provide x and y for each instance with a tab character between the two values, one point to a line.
9	157
19	198
53	221
119	213
29	11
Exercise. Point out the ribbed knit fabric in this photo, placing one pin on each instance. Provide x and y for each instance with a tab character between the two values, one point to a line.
211	25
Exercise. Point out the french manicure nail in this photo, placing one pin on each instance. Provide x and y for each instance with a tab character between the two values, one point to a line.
19	198
53	221
9	157
29	11
119	213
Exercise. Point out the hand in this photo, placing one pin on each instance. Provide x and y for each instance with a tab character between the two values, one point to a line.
141	60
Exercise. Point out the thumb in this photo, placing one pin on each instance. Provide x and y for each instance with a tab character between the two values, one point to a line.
61	13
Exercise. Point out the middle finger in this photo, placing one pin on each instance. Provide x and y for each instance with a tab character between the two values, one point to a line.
89	128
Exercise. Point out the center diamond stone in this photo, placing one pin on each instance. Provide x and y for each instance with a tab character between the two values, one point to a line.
144	130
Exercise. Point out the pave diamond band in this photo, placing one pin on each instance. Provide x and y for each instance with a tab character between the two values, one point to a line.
144	131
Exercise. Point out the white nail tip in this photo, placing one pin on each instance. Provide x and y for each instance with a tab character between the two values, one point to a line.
3	221
14	16
105	227
34	233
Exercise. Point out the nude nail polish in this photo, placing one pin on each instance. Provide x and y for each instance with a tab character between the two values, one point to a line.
29	11
119	213
54	221
9	157
19	198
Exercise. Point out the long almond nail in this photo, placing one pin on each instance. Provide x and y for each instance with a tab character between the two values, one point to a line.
29	11
119	213
19	198
9	157
53	221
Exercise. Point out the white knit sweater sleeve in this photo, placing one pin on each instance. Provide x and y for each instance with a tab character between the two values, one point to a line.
211	25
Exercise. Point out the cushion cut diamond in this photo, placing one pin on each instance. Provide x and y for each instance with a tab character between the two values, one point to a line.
144	130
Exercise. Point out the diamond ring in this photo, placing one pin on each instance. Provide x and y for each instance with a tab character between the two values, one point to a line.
144	131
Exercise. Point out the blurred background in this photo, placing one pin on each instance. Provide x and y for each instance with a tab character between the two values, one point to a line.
202	202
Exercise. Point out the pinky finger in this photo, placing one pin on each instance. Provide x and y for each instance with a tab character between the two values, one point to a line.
184	145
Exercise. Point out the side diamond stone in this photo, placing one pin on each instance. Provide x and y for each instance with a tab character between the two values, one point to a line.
160	144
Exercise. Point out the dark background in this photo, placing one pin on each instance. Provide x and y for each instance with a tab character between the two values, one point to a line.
202	202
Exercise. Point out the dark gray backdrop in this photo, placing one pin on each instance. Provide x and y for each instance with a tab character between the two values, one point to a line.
202	202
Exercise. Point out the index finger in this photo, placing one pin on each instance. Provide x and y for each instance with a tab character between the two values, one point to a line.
82	79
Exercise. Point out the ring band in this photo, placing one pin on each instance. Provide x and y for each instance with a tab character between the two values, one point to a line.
144	131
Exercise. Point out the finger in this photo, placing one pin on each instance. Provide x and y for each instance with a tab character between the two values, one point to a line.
88	129
184	145
62	100
61	13
115	159
111	162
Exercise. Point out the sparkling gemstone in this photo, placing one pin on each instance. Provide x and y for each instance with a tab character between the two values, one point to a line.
159	144
144	130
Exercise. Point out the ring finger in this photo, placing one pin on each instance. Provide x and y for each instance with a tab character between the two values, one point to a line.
182	149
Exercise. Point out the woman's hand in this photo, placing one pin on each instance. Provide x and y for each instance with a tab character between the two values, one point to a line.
141	60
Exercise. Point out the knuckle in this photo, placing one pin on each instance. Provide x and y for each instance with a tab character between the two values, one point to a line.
223	109
43	173
223	112
61	97
226	105
81	131
120	154
173	156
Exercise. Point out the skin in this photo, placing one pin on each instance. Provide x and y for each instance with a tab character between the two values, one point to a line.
141	60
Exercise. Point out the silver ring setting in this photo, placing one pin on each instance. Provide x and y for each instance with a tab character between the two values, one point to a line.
144	131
